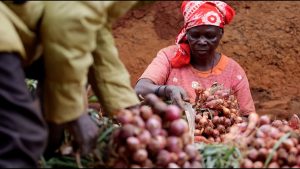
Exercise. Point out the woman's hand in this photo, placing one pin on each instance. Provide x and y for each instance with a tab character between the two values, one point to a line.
177	95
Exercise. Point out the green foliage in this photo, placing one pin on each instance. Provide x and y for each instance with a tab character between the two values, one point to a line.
31	84
219	155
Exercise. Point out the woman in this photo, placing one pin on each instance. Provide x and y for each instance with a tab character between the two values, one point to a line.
194	59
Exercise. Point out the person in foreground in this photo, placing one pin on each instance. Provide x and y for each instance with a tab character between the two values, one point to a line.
64	45
194	59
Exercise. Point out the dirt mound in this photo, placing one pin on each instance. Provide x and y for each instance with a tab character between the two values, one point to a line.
262	38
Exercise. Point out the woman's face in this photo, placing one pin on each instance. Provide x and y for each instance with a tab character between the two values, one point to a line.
204	39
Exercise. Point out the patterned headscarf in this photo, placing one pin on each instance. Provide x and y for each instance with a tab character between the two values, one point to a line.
197	13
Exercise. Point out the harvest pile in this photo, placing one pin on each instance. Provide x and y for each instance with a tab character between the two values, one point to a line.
268	143
216	111
153	135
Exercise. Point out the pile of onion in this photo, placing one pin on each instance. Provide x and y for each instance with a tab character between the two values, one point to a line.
262	140
153	135
216	111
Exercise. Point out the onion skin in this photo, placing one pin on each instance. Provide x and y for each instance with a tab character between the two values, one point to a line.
163	158
172	113
146	112
264	120
247	163
133	143
178	127
140	155
153	124
273	165
174	144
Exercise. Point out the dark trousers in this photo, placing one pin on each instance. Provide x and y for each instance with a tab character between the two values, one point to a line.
23	132
36	71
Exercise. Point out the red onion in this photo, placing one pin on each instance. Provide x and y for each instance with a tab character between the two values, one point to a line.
172	113
178	127
163	158
174	144
145	137
146	112
133	143
140	155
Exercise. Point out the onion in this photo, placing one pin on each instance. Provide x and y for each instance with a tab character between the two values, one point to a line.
258	164
252	155
218	139
160	108
197	132
288	144
186	138
277	123
151	99
138	121
262	154
221	128
172	113
146	112
265	128
292	160
187	164
133	143
196	164
227	122
274	133
216	133
273	165
203	121
247	163
174	144
264	120
152	124
163	158
178	127
216	120
129	130
140	155
198	118
293	151
157	143
120	164
125	116
191	151
135	166
145	137
148	164
182	158
259	143
208	131
173	165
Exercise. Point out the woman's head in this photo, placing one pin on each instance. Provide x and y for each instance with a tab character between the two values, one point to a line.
203	28
204	39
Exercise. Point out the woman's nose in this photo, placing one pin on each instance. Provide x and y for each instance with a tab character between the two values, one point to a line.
202	41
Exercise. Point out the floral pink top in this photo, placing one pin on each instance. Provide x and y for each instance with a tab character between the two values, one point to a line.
227	72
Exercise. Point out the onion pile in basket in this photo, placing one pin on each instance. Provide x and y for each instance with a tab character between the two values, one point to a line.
216	111
153	135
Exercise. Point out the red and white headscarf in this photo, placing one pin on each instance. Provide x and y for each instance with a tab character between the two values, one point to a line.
198	13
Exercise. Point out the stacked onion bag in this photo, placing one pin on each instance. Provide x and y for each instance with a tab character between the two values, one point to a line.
152	135
216	111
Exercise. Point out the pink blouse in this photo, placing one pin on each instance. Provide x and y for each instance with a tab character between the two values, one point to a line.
227	72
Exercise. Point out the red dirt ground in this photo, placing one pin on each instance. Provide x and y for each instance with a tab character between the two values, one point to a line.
262	38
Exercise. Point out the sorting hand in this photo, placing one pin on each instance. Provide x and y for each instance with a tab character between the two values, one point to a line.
177	95
85	132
